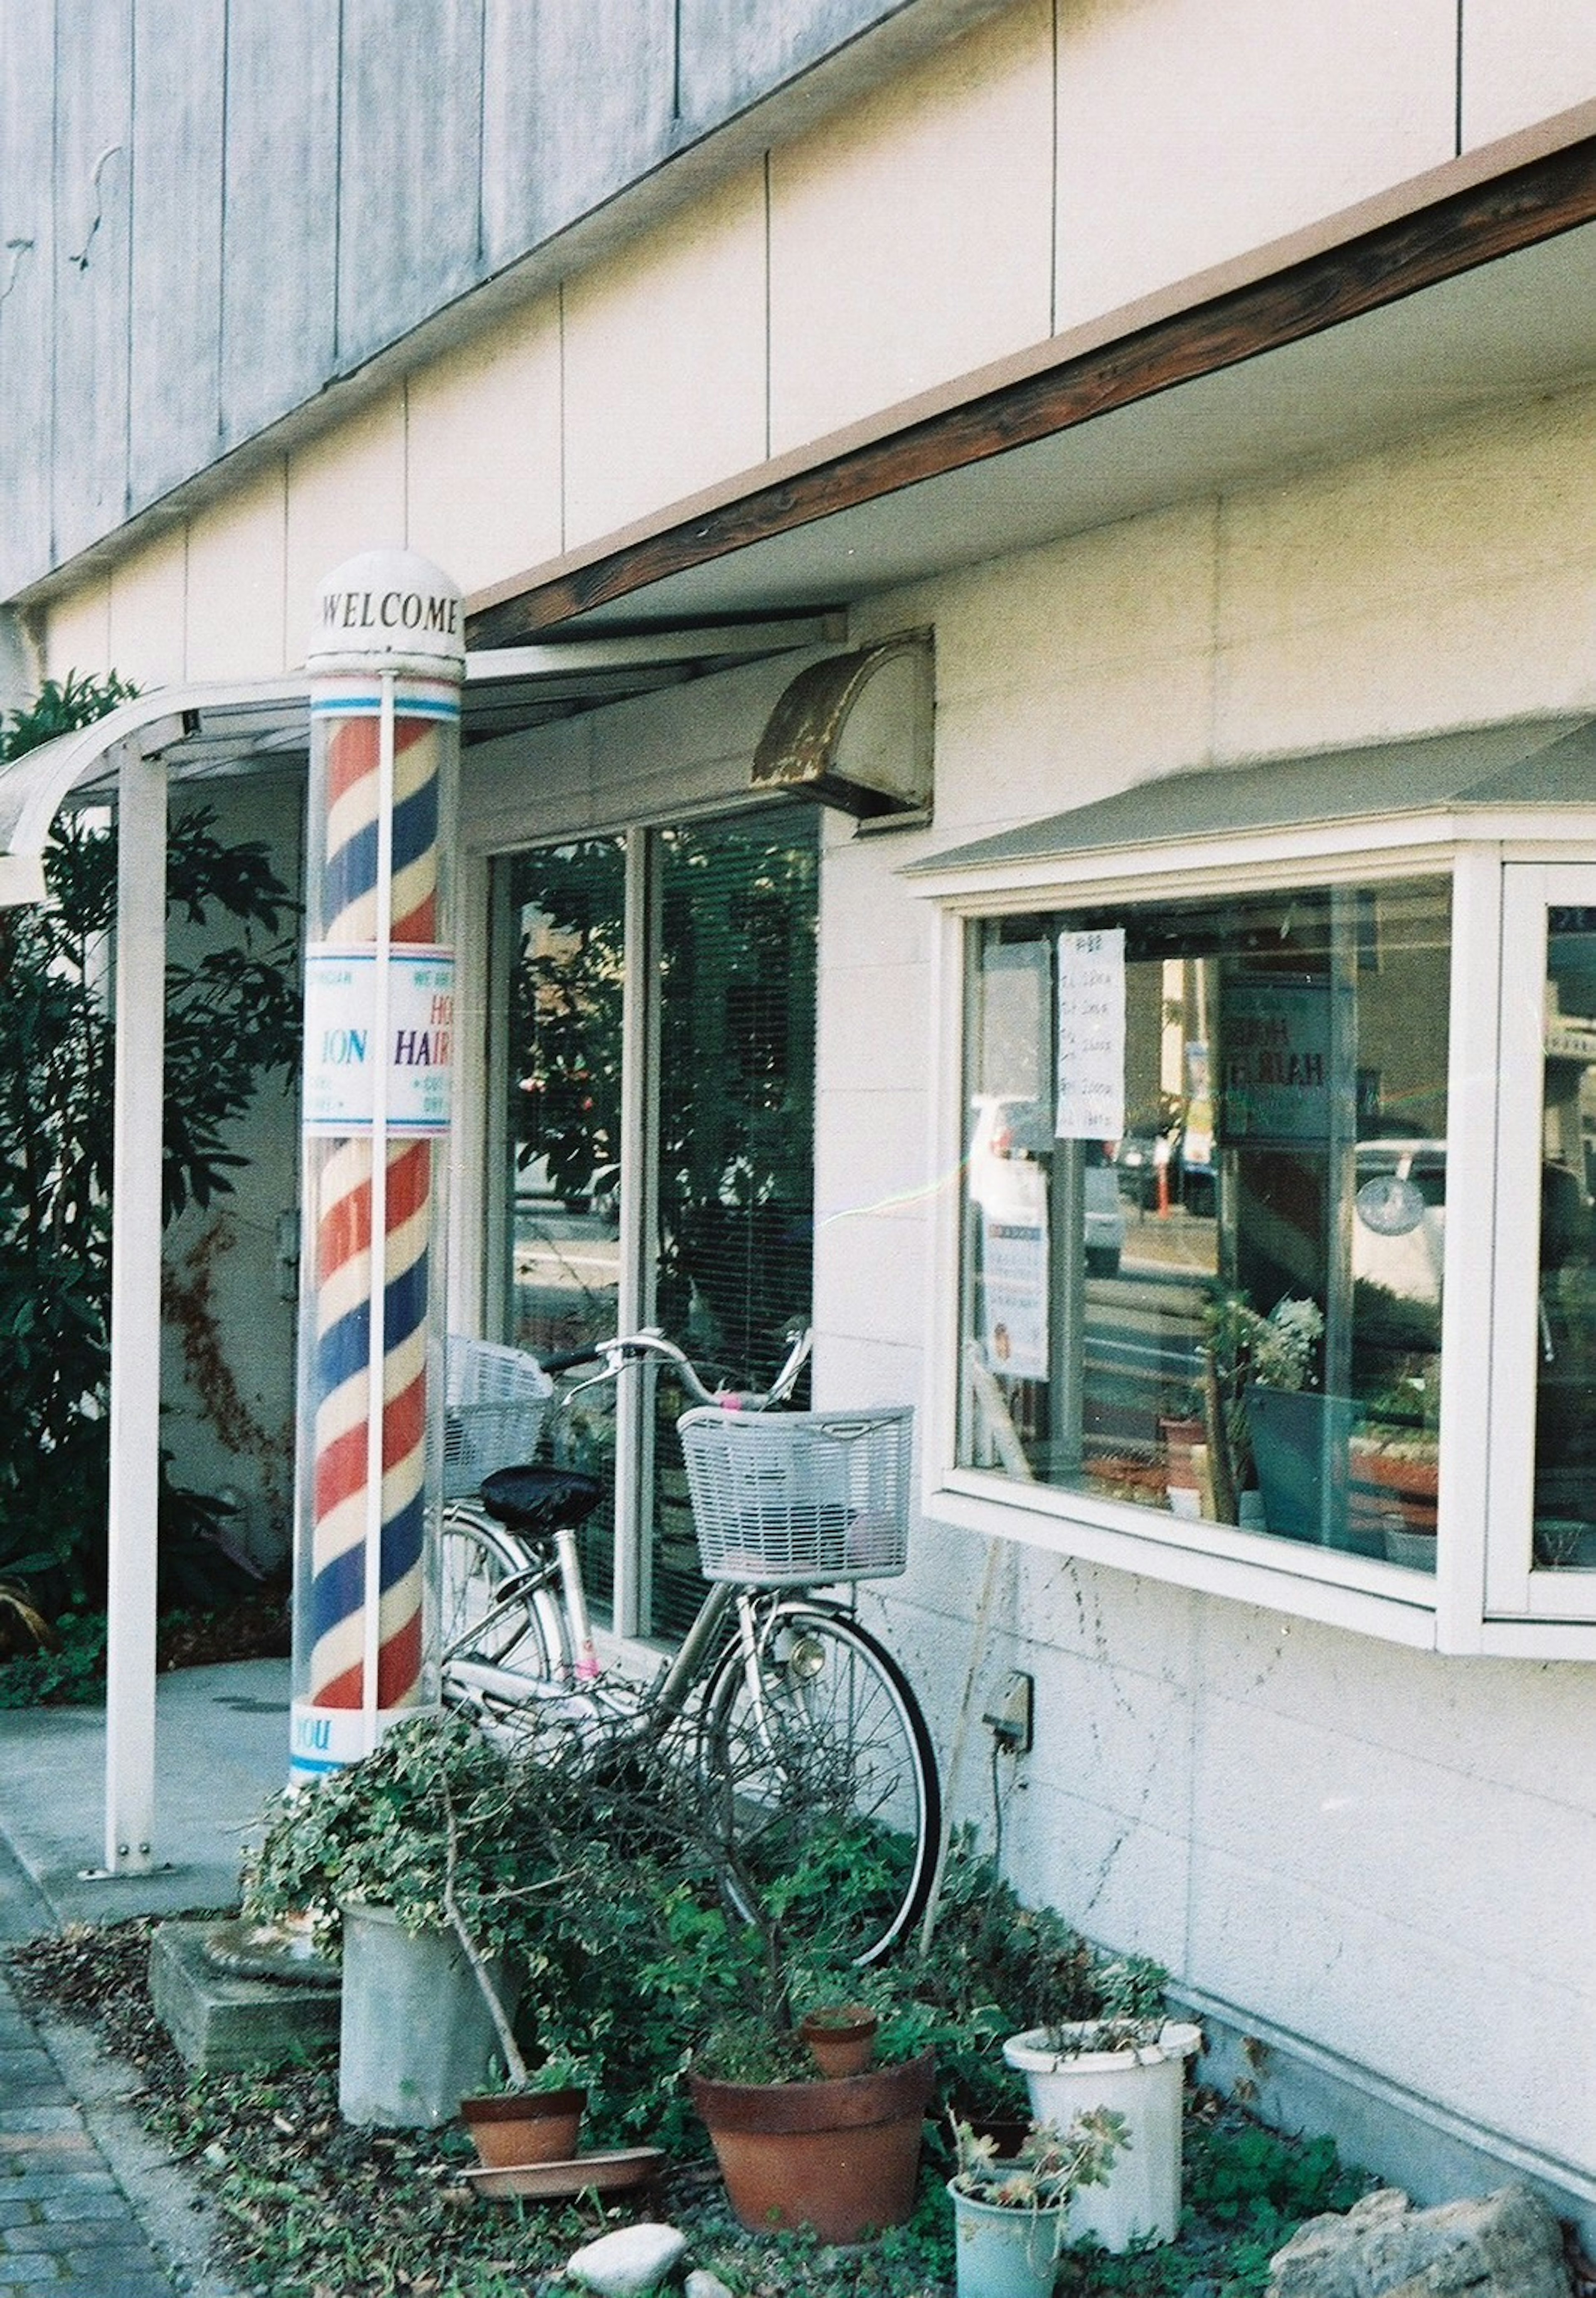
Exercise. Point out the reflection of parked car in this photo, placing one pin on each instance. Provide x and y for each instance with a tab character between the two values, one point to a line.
1140	1156
1187	1180
1006	1177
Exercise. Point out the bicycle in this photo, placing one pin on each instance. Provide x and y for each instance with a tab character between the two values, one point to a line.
805	1741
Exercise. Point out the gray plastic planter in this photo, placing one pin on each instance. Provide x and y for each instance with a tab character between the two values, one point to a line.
415	2035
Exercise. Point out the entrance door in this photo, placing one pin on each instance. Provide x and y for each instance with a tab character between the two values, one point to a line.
656	1009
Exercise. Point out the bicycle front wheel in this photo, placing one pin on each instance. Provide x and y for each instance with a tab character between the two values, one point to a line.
482	1617
821	1774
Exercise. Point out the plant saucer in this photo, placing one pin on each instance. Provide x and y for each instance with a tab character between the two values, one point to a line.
625	2166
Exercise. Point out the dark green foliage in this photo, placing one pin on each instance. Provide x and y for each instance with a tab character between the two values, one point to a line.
232	1020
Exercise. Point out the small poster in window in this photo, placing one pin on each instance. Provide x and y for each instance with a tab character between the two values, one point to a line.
1014	1278
1278	1065
1091	1034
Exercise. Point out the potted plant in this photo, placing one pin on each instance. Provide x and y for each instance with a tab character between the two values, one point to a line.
1011	2212
1129	2059
797	2148
423	1858
841	2037
1394	1465
1265	1413
535	2116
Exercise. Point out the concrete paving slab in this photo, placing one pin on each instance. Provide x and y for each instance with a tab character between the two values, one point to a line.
222	1749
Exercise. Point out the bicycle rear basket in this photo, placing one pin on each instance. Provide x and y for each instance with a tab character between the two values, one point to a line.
495	1403
795	1497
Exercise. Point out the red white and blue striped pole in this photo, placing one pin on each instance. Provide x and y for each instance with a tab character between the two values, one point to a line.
387	663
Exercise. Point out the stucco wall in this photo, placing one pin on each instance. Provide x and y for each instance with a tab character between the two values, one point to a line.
1388	1854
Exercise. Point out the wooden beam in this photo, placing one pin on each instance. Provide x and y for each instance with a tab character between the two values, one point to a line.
1520	208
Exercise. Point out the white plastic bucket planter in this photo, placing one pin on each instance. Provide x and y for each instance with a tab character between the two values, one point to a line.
1000	2251
1142	2196
414	2034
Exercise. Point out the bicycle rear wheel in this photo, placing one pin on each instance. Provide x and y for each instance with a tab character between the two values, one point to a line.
822	1777
481	1617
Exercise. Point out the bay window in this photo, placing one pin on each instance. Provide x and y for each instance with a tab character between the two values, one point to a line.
1273	1264
1240	1320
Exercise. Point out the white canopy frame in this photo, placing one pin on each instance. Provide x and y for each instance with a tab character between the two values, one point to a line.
198	732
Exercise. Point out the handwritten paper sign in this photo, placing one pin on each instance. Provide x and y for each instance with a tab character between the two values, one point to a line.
1091	1034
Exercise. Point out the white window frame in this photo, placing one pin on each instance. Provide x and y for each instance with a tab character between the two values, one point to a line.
1483	1597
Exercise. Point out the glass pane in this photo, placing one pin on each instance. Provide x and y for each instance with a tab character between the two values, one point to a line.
567	917
1205	1205
736	1120
1564	1523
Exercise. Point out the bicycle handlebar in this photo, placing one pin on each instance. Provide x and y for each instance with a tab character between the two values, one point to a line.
634	1348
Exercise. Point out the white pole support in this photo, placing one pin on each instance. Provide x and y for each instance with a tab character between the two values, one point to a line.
135	1410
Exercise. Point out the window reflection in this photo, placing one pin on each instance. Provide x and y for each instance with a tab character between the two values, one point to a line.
1205	1208
1565	1516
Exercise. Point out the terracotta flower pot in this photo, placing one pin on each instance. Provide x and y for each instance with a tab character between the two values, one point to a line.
515	2127
840	2041
1401	1486
840	2156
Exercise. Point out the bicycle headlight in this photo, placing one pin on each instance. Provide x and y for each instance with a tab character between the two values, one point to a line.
805	1659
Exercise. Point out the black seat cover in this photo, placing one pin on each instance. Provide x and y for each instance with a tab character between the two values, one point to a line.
539	1500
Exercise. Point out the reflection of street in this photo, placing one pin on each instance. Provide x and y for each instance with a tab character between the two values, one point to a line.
1176	1240
1145	1326
567	1275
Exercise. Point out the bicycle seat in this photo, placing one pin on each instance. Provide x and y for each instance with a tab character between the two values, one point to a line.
539	1500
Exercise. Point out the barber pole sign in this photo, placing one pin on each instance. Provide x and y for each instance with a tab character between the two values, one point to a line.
386	662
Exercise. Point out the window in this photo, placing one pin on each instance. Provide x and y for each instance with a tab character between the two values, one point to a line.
1542	1561
1273	1271
656	1011
1205	1212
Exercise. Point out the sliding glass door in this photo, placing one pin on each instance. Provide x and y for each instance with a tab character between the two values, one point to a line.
656	1015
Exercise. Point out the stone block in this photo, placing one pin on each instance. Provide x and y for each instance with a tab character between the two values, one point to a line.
220	2022
1505	2245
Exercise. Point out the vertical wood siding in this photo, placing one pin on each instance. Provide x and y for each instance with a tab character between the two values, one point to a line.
93	195
298	183
26	277
410	165
278	310
177	67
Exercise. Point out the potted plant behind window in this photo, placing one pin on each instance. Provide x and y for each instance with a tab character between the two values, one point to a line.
1129	2060
1012	2213
1394	1465
1274	1422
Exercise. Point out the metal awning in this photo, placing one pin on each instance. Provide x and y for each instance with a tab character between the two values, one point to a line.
206	731
1547	762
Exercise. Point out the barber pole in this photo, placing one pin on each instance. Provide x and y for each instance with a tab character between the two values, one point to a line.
386	661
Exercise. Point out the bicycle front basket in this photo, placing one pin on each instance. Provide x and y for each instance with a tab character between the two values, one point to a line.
493	1414
786	1498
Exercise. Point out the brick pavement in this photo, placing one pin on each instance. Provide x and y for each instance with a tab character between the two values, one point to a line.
66	2228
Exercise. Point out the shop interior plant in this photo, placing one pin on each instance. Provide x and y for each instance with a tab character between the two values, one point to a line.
1243	1349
